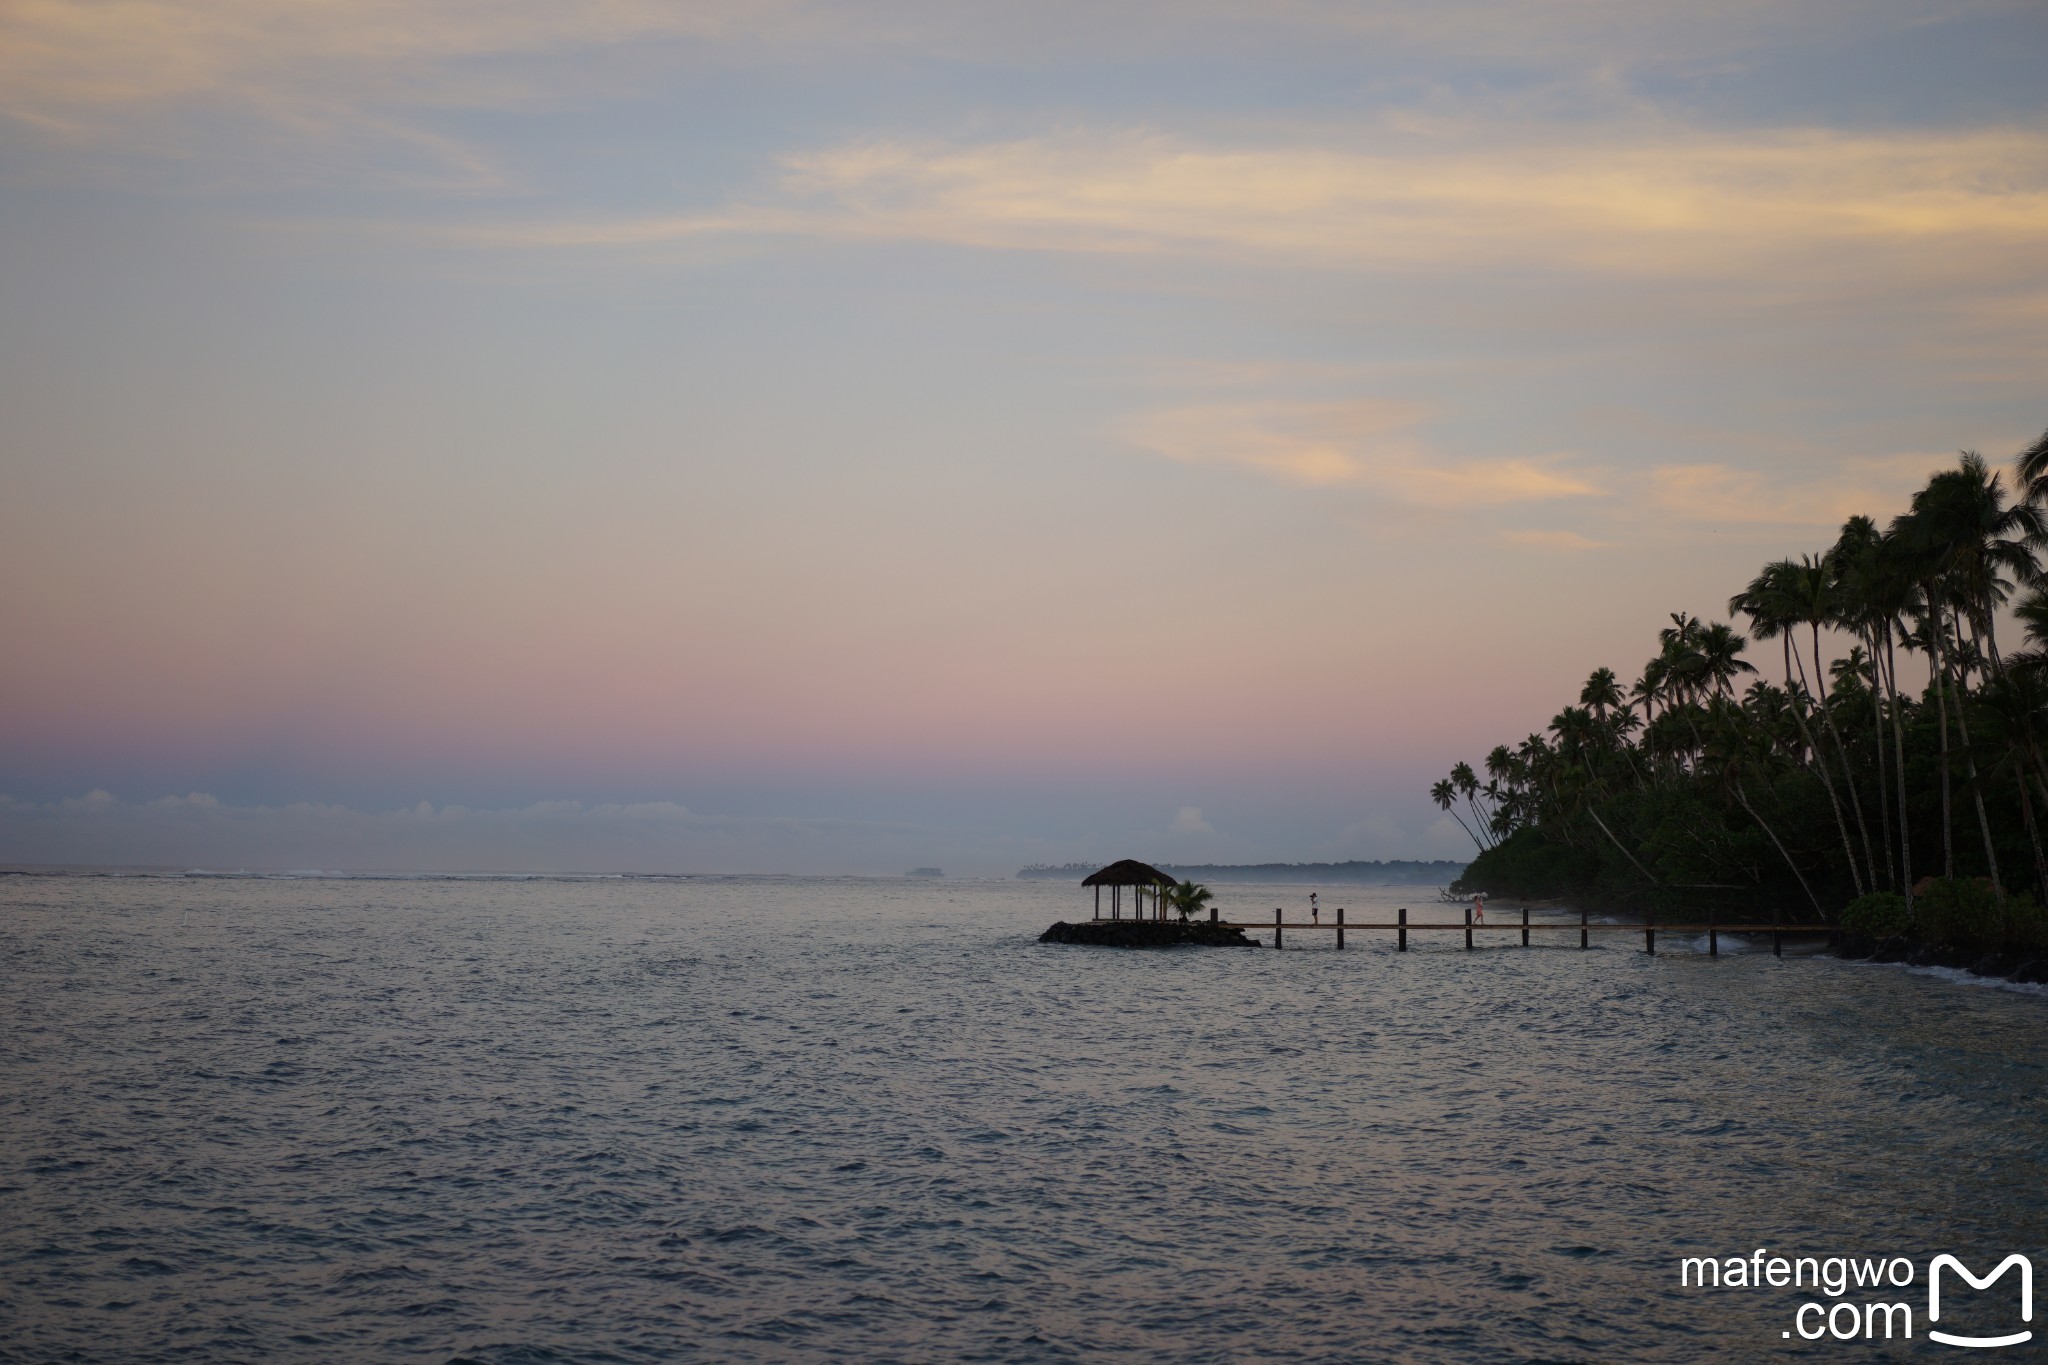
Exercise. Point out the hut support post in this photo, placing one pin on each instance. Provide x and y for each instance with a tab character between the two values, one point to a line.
1525	926
1582	928
1401	943
1340	928
1713	939
1098	902
1468	928
1777	938
1277	929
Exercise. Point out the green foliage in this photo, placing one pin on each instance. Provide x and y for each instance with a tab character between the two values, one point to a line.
1877	916
1189	898
1966	914
1704	786
1529	863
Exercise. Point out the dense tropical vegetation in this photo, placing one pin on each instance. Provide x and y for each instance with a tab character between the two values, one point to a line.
1731	782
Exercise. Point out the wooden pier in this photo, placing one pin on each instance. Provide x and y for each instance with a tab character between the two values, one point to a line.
1586	928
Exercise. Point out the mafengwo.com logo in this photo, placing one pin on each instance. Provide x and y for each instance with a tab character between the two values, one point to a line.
1861	1298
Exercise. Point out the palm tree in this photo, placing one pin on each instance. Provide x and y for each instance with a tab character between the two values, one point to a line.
1736	748
2031	466
1466	782
1444	794
1601	692
1860	609
1969	539
1785	595
1188	898
1720	653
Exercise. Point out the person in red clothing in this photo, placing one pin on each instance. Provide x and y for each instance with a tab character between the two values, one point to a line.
1479	908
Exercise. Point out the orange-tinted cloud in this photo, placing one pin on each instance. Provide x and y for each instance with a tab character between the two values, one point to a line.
1363	445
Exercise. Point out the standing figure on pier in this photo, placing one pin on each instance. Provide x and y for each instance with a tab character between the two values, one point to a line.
1479	908
1315	912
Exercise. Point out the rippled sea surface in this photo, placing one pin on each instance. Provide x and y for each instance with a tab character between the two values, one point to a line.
772	1119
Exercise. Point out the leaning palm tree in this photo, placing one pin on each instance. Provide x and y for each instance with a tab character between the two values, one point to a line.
1446	796
1736	750
1777	601
1189	898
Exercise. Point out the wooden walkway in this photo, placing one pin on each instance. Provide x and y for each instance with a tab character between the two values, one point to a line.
1585	927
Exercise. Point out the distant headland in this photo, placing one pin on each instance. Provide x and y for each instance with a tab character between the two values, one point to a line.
1395	872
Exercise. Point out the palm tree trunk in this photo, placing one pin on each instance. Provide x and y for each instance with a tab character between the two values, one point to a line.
1948	819
1842	753
1884	799
1743	797
1977	798
1477	818
1976	788
1891	682
1617	843
1969	766
1820	766
1467	828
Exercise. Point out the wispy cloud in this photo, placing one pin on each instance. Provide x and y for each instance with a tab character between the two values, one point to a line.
1667	200
1554	540
1731	495
1364	445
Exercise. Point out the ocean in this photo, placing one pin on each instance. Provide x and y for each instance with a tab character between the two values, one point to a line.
777	1119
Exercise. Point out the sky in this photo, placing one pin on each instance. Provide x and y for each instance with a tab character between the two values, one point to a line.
795	437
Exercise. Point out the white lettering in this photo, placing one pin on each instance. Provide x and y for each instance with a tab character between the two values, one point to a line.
1892	1270
1778	1271
1699	1265
1799	1321
1870	1312
1834	1317
1834	1274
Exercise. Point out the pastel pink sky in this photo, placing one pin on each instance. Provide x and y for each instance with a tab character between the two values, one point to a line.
784	436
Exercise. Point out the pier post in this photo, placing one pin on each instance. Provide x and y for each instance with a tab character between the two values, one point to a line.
1212	914
1582	928
1401	944
1340	928
1468	928
1277	930
1650	940
1525	926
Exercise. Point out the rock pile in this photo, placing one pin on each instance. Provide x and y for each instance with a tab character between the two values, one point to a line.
1147	933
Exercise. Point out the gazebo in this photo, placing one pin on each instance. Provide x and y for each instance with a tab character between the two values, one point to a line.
1136	875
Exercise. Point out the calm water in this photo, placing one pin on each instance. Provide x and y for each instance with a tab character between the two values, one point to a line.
774	1119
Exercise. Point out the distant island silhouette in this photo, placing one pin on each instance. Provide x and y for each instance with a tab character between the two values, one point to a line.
1395	872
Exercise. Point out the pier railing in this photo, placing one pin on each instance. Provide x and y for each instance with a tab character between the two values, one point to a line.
1586	927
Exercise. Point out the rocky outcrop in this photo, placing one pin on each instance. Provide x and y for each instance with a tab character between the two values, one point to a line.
1147	933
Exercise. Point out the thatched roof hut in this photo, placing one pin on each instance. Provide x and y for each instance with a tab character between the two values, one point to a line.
1132	873
1129	872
